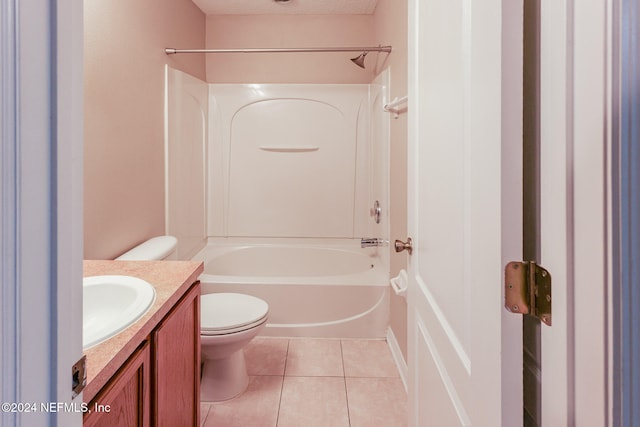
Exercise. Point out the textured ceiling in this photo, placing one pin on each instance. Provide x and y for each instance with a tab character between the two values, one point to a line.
300	7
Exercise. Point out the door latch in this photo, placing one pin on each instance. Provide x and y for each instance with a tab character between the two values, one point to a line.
527	290
78	376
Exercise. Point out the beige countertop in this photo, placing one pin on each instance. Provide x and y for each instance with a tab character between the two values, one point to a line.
171	280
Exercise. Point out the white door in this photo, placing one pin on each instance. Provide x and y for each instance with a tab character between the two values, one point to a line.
465	215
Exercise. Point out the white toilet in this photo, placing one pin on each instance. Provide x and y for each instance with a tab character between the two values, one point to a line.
156	248
228	321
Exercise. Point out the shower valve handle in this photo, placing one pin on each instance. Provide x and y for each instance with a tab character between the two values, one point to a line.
376	211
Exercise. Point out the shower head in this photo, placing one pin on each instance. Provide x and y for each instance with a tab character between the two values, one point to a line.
359	60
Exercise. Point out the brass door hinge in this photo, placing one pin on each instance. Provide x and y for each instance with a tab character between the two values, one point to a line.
527	290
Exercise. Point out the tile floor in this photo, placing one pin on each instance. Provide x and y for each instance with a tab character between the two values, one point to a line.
309	382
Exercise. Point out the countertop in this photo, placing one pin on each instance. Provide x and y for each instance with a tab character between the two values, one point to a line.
171	280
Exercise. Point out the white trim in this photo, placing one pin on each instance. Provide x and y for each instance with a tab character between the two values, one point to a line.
398	358
8	211
68	169
624	214
589	212
166	149
41	211
556	198
613	132
35	216
573	210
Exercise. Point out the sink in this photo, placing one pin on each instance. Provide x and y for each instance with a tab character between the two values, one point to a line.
111	304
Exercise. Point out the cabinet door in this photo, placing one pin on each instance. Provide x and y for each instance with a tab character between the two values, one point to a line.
176	345
125	400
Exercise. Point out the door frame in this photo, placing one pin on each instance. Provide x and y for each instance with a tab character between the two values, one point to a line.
625	213
575	209
41	211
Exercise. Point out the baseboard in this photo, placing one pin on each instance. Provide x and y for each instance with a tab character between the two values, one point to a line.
401	364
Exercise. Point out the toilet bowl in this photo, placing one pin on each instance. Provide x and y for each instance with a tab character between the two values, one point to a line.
228	322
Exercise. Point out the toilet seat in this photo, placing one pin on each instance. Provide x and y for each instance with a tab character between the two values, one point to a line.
228	313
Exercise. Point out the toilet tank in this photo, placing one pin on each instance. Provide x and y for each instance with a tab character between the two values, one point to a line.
156	248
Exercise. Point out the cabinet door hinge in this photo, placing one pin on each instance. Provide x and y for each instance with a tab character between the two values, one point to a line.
527	290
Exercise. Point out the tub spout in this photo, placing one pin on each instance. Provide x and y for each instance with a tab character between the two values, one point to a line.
367	242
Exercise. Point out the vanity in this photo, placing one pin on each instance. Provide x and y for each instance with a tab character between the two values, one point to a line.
149	374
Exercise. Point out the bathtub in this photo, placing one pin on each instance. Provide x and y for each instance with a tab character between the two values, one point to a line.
315	288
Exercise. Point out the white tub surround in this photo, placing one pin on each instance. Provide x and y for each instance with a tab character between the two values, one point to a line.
289	160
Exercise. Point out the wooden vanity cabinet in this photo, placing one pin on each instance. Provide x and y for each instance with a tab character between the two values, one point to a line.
176	353
159	385
125	400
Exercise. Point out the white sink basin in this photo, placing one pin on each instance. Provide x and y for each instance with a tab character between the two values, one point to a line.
111	304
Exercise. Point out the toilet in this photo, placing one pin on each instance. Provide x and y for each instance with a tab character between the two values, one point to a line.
156	248
228	321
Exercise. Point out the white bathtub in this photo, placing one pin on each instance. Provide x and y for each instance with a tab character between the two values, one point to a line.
314	288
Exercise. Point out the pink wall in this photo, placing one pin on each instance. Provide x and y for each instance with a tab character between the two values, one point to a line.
390	23
271	31
124	115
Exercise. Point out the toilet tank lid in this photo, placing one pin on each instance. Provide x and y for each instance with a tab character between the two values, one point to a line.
156	248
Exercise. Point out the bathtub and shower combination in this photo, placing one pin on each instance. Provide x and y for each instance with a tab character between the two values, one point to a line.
282	199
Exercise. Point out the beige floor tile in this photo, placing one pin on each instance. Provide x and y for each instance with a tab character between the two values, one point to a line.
310	357
314	391
266	356
313	402
376	402
368	358
257	407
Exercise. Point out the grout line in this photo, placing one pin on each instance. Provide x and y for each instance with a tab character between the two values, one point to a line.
204	420
344	380
315	376
344	374
266	375
286	357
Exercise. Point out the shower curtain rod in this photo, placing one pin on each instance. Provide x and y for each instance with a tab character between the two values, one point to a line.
172	51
